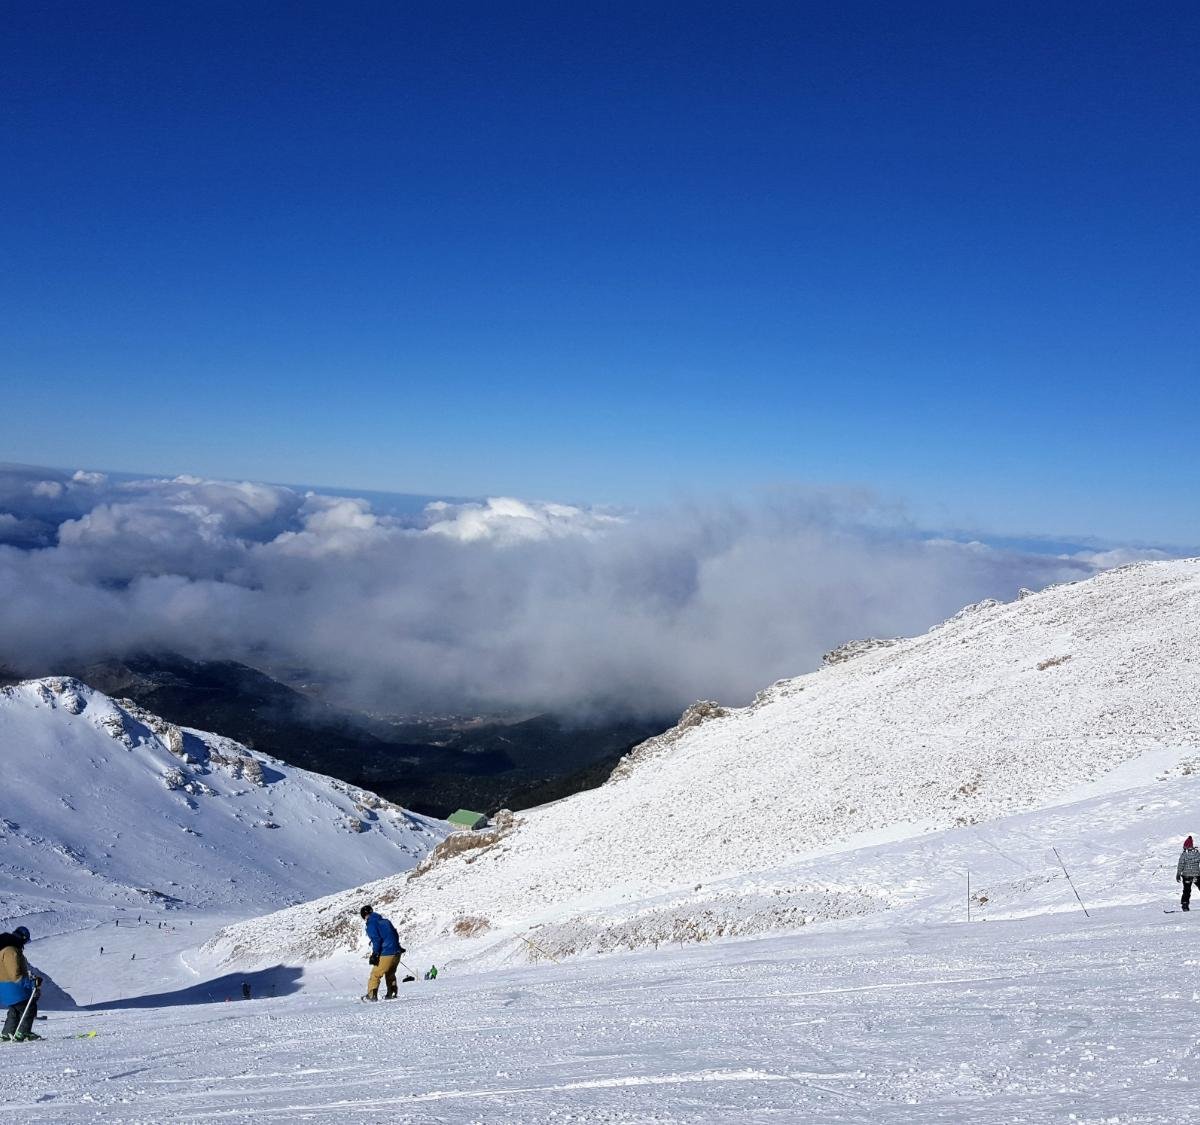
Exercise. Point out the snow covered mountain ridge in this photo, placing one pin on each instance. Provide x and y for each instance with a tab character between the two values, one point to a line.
757	818
107	807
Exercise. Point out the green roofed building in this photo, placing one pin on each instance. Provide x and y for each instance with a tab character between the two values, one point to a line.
464	818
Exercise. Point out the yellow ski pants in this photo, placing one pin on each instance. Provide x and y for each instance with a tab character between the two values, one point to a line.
385	970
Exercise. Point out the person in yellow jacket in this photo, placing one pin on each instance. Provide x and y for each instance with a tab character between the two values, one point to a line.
19	988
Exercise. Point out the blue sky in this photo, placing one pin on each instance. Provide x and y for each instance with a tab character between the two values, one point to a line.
614	252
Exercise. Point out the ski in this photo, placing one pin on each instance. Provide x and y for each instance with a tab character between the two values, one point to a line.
48	1039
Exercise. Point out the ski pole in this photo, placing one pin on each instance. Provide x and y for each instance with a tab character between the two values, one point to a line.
1071	881
37	988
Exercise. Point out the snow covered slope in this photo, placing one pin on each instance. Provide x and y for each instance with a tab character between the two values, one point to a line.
1059	697
106	809
1040	1021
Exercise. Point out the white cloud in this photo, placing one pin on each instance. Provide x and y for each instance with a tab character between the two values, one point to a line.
506	520
499	602
1119	556
330	525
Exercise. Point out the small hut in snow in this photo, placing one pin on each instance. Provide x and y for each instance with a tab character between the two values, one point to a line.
465	819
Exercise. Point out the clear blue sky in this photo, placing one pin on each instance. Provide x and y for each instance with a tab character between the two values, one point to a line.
611	252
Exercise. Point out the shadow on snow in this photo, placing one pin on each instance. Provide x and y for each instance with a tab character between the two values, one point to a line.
280	980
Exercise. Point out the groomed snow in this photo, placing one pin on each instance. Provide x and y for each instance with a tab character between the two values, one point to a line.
1051	1019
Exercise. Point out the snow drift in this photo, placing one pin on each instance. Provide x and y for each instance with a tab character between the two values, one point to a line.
1003	708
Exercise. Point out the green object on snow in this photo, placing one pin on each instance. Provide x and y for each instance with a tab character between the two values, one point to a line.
464	818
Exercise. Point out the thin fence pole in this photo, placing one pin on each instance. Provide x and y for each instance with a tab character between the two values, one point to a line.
1071	881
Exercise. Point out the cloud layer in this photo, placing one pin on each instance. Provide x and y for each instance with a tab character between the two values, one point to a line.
502	603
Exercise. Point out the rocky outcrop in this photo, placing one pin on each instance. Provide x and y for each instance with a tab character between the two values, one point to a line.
460	843
169	734
700	712
967	611
851	649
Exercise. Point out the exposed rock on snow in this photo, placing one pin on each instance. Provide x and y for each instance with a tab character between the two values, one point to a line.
703	711
851	649
174	779
967	612
955	727
169	733
459	843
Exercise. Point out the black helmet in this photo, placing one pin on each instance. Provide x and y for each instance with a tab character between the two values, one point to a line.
21	934
365	911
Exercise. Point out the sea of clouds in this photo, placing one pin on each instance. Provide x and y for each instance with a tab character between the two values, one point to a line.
501	603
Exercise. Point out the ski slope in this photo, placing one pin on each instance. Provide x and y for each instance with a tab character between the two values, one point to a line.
1054	1018
760	819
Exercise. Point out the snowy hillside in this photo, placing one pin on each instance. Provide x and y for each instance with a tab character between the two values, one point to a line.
748	820
107	809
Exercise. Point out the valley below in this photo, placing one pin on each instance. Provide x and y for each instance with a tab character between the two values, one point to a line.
430	764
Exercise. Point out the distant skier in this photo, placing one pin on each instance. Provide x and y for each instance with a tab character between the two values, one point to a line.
431	973
245	990
1187	871
385	954
19	988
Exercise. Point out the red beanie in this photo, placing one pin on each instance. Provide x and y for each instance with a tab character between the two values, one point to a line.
1188	842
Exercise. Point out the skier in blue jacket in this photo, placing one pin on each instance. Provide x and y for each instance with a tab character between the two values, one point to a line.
385	953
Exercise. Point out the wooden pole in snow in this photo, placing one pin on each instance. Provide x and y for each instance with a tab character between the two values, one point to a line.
1071	881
